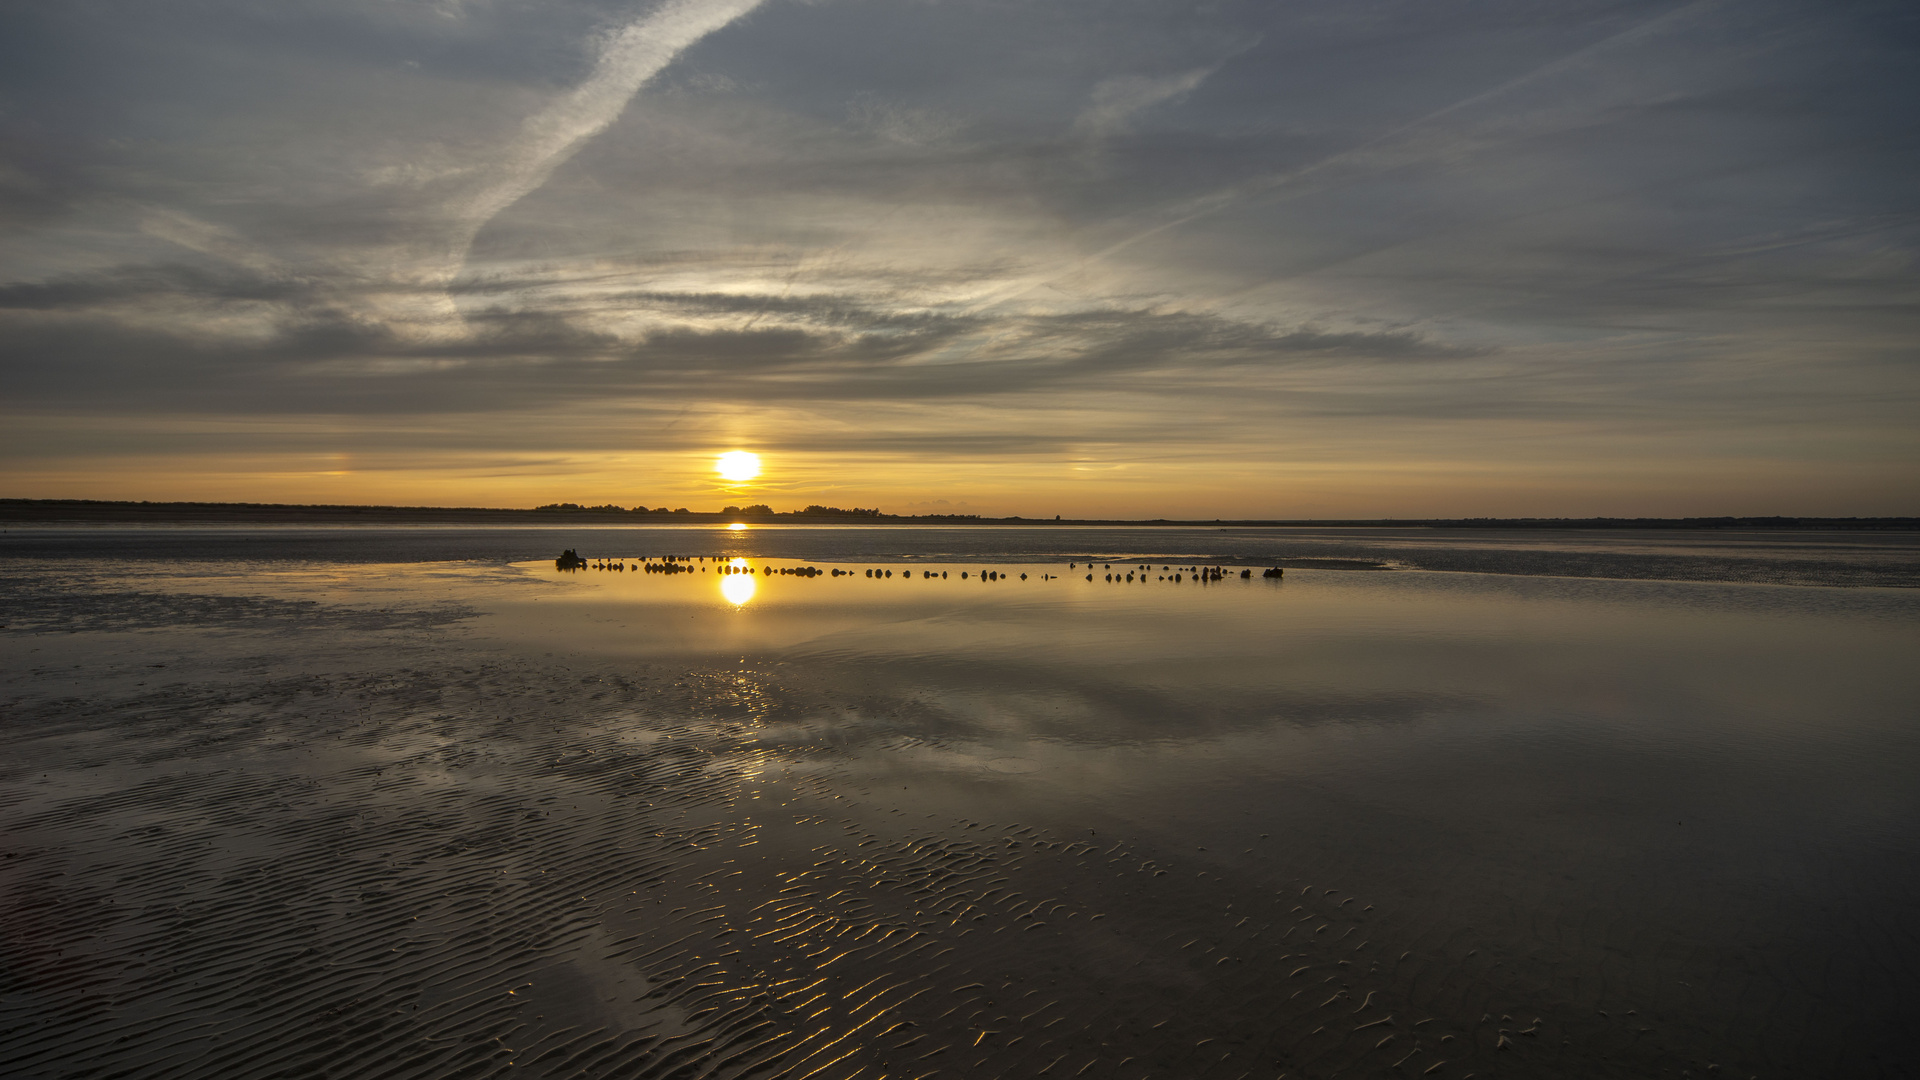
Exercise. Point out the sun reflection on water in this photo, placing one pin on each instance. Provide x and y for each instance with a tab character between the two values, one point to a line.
739	584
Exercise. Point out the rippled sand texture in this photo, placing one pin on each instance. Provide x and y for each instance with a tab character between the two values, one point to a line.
275	836
393	891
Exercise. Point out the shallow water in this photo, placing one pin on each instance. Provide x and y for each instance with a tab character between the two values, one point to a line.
1771	557
442	817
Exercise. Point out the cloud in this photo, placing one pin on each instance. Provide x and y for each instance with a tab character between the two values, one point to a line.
1435	136
94	339
1117	101
967	228
40	177
164	281
896	123
402	276
628	58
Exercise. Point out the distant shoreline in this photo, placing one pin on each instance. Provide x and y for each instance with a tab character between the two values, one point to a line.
98	512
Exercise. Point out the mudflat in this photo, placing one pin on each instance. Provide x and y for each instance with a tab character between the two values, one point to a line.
437	819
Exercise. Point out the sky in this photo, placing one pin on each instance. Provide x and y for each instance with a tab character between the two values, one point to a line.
1122	258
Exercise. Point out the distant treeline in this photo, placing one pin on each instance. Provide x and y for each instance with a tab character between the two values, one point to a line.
609	508
105	510
756	510
102	511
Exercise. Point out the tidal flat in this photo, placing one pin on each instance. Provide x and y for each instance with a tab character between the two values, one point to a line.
340	807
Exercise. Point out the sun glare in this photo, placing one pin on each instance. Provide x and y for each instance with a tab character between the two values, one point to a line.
738	587
738	465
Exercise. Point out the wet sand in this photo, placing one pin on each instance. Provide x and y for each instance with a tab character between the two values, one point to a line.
449	820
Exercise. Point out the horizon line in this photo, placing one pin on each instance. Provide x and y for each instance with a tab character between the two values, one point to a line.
818	513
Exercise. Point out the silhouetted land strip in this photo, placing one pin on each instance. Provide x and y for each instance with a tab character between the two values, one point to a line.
92	511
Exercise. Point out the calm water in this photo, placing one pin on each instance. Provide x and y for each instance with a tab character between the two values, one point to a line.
1788	558
1499	823
1694	799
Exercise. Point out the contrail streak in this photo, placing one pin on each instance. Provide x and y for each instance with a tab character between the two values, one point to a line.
1214	202
628	58
421	271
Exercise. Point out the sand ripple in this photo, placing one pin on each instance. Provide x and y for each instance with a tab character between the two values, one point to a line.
514	870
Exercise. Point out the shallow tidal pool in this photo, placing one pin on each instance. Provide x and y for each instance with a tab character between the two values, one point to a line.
463	819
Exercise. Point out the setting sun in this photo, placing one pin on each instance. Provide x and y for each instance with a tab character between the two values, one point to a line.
738	466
